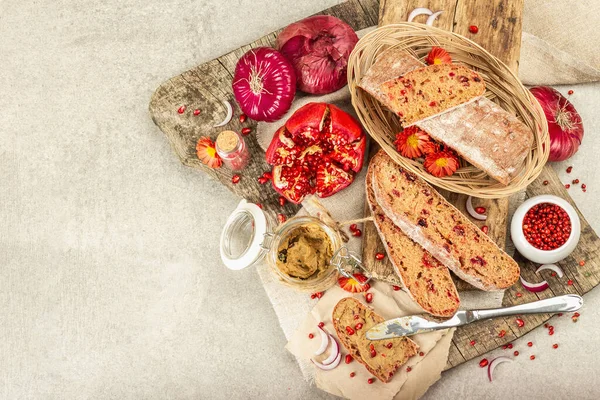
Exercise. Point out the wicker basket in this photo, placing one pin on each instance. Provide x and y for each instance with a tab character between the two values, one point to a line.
503	87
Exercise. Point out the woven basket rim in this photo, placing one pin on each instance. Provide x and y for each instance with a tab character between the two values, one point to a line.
502	87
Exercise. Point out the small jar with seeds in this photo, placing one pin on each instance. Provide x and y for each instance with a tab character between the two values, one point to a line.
232	149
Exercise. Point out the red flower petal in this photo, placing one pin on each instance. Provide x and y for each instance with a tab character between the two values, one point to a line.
412	142
353	285
207	153
442	163
437	55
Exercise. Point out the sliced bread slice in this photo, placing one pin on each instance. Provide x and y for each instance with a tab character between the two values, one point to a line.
381	360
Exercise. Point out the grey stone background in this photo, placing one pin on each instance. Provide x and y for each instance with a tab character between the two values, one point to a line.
110	280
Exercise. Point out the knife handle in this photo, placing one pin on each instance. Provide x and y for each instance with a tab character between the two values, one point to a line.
565	303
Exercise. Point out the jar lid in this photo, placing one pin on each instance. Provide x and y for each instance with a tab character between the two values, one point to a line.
242	236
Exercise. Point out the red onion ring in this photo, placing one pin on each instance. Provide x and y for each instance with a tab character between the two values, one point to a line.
433	17
472	212
228	117
324	342
534	287
335	351
494	363
418	11
329	366
552	267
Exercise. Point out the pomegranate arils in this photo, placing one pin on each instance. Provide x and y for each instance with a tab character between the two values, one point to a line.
510	345
348	359
546	226
519	294
358	326
472	342
473	29
569	169
262	180
349	330
243	118
555	346
520	322
235	179
484	362
545	183
282	218
583	186
370	380
421	354
321	324
319	294
529	344
310	336
480	210
485	229
502	333
582	263
369	297
516	353
532	357
379	256
567	186
575	181
181	109
352	374
259	205
282	201
408	369
353	227
246	131
570	282
357	233
570	92
389	345
396	288
196	112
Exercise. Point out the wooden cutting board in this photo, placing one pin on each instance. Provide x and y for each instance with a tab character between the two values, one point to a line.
205	86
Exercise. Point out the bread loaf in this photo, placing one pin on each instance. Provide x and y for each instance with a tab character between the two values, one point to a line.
427	281
380	360
431	221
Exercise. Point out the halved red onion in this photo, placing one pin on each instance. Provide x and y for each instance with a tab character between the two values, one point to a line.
418	11
534	287
335	351
228	116
324	342
433	17
494	363
328	366
552	267
472	212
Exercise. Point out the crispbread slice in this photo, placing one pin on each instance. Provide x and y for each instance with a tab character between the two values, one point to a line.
431	221
387	360
427	281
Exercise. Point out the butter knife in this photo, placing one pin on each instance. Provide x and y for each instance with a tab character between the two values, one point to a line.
413	324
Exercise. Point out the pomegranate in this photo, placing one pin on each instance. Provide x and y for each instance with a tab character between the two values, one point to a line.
319	48
319	150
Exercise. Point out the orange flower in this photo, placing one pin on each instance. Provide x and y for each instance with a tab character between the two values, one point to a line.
437	55
412	142
207	153
441	163
352	285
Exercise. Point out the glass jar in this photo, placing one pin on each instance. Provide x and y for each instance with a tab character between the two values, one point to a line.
248	237
232	149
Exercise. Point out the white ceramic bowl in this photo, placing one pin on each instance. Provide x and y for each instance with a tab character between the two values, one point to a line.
544	256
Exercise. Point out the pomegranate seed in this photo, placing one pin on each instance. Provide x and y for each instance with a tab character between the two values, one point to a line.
312	296
472	342
504	347
516	353
357	233
484	362
369	297
529	344
480	210
243	118
181	109
396	288
389	345
510	345
267	175
519	294
235	179
259	205
246	131
321	324
570	92
373	353
349	330
356	316
520	322
583	186
473	29
582	263
567	186
555	346
348	358
546	325
545	183
485	229
358	326
576	314
281	201
379	256
551	333
352	374
310	336
569	169
569	282
370	380
575	181
196	112
560	314
532	357
281	218
553	274
421	354
550	327
319	294
502	333
432	104
262	180
353	227
408	369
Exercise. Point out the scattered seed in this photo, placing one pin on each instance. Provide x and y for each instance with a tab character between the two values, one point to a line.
472	342
532	357
485	229
408	369
519	294
502	333
582	263
352	374
396	288
473	29
545	183
569	169
583	186
281	218
243	118
529	344
181	109
555	346
357	233
575	181
567	186
235	179
246	131
421	353
310	336
570	92
570	282
516	353
321	324
370	380
520	322
379	256
369	297
484	362
510	346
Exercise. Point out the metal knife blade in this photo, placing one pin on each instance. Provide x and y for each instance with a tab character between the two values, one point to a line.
413	324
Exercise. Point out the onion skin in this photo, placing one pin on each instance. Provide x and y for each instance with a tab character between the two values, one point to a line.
534	287
264	84
319	48
564	122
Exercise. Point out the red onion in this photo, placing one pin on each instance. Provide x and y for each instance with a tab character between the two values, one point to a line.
328	367
564	123
324	342
552	267
264	84
534	287
472	211
494	363
319	48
